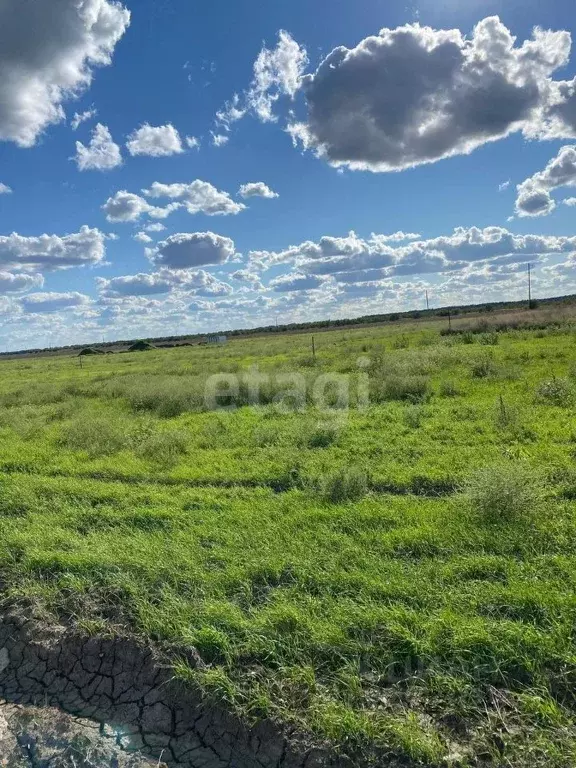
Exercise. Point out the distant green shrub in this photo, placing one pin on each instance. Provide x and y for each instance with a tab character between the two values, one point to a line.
489	339
163	447
323	436
414	415
401	342
555	391
414	389
449	388
96	435
346	484
483	367
504	493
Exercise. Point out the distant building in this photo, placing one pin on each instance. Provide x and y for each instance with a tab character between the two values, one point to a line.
216	339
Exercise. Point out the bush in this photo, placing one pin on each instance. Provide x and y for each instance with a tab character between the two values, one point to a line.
164	447
97	435
448	389
323	436
347	484
504	493
414	389
414	416
489	339
555	391
483	367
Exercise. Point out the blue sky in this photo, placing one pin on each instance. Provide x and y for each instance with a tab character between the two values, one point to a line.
416	130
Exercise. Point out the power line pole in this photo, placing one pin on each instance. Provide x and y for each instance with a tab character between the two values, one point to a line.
427	302
529	286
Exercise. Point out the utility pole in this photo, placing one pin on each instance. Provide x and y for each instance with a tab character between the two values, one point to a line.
313	348
529	286
427	302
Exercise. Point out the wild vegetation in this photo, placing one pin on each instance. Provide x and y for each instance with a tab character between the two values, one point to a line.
396	577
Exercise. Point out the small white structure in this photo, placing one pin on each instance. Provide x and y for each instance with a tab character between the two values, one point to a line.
215	339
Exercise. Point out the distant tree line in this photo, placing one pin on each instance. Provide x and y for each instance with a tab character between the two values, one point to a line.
391	317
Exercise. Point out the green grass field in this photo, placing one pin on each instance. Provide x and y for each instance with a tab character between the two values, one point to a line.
395	576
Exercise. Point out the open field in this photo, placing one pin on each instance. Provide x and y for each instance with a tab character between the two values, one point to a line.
390	568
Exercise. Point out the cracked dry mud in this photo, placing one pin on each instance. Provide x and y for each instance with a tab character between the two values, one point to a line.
128	686
42	737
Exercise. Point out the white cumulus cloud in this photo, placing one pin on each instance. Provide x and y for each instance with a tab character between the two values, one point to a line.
5	189
534	198
142	237
187	250
155	141
352	259
199	282
19	283
53	302
48	51
257	189
197	197
126	206
102	154
414	95
49	252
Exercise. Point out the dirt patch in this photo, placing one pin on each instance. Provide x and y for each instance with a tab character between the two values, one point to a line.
43	737
125	684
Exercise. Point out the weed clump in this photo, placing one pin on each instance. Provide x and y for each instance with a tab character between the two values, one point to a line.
559	392
323	436
96	435
413	389
483	367
504	493
449	388
164	448
346	484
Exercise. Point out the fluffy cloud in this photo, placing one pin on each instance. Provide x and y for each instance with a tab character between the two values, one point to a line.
277	72
250	278
201	283
570	201
156	227
102	154
198	282
414	95
296	282
134	285
197	197
5	189
193	142
125	206
354	260
53	302
82	117
49	252
155	141
142	237
47	53
19	283
534	198
183	251
256	189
